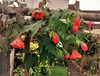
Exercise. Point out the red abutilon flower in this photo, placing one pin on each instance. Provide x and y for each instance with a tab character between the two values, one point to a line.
55	37
89	24
38	14
40	4
18	43
75	55
84	46
77	21
75	28
0	35
67	56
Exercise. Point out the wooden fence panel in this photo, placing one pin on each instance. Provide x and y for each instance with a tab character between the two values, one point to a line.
4	65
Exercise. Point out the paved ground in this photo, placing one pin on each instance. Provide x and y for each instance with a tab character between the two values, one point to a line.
73	70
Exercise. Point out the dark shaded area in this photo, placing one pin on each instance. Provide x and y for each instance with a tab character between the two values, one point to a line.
17	61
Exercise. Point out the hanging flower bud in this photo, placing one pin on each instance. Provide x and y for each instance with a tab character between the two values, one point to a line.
40	4
67	56
77	21
18	43
22	37
55	37
75	55
89	24
84	46
65	48
75	28
51	34
0	35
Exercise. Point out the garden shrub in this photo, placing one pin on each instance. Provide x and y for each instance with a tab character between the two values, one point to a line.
91	41
54	31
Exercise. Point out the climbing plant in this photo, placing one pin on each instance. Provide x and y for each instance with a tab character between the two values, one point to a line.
51	34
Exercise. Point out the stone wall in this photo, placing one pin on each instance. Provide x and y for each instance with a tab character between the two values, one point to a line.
56	4
53	4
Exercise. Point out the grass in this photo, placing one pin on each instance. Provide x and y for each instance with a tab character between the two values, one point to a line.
58	71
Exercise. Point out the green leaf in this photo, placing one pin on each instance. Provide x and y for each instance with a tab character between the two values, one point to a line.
47	49
60	53
13	35
51	58
4	45
80	35
50	21
43	55
33	28
78	41
61	34
9	22
30	60
46	30
56	16
59	25
66	13
48	45
70	39
46	13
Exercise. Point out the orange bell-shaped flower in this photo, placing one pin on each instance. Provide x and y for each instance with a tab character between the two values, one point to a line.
55	37
67	56
84	46
40	4
75	55
18	43
89	24
38	14
77	21
0	35
75	28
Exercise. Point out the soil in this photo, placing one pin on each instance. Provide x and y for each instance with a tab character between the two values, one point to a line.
73	70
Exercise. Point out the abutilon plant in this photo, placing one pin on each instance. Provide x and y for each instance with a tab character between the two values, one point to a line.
55	23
